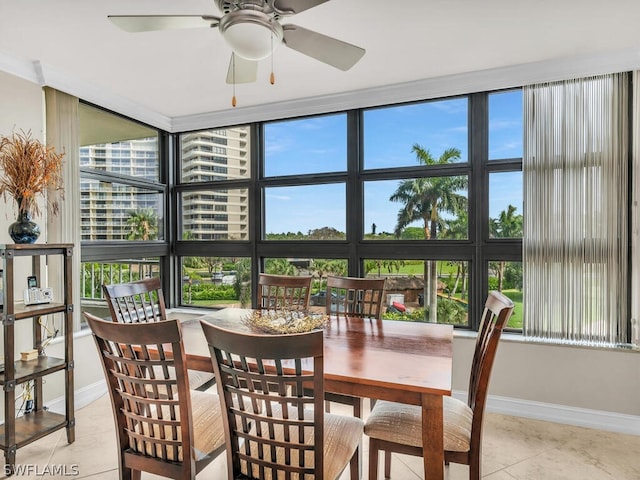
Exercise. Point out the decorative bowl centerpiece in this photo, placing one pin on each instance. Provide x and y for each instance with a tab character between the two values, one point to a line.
284	321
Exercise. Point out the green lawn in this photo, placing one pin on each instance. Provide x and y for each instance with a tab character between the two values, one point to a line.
516	318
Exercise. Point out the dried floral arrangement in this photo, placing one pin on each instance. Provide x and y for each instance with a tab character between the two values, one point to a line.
29	169
284	321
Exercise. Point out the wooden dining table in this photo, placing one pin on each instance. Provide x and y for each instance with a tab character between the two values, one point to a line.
406	362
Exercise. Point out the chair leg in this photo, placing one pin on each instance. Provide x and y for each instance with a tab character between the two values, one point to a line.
327	406
474	467
373	459
354	464
357	407
387	464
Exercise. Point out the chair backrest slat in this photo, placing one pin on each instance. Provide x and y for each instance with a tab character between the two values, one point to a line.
274	422
355	297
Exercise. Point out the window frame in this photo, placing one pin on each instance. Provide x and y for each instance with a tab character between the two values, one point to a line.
478	249
96	251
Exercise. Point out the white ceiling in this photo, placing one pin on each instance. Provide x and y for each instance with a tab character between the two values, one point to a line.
414	49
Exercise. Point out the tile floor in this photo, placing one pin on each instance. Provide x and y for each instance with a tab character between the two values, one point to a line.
514	448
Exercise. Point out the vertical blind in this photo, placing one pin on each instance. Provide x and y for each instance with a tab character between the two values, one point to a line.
635	213
575	243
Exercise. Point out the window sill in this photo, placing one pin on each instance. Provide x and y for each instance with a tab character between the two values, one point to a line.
519	338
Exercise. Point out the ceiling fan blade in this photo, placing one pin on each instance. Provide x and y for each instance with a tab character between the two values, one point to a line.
296	6
329	50
147	23
246	71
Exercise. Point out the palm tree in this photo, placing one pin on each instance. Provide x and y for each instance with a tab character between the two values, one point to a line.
337	267
507	225
280	266
458	229
425	199
144	224
319	267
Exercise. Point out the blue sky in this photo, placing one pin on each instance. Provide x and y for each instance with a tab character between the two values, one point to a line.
318	145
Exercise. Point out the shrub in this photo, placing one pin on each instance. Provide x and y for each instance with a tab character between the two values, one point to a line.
449	311
207	291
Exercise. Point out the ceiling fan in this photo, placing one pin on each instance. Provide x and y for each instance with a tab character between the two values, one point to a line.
253	30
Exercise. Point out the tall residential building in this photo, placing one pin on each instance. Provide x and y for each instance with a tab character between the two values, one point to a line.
107	206
207	156
210	156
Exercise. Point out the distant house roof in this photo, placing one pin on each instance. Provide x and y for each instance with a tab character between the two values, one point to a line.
404	282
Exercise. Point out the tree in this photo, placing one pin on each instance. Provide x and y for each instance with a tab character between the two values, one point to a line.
243	281
326	233
279	266
144	224
319	268
392	265
338	267
458	229
507	225
412	233
213	264
425	199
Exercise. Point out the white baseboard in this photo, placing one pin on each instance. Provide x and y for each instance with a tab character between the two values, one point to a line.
582	417
83	397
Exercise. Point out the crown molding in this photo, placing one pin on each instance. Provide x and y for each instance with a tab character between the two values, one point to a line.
438	87
46	75
458	84
19	67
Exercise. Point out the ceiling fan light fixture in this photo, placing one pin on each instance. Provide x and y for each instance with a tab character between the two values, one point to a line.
251	34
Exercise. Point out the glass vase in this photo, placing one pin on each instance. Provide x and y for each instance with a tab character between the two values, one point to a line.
24	230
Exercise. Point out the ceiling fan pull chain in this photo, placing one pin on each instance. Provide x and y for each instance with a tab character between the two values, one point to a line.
233	99
272	77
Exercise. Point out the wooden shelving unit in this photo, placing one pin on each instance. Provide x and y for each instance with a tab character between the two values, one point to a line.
20	431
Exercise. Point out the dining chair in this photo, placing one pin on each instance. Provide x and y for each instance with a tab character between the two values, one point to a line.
138	301
353	297
162	426
274	426
288	292
142	301
394	427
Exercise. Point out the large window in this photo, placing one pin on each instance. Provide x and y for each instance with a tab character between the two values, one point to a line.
123	202
427	195
213	261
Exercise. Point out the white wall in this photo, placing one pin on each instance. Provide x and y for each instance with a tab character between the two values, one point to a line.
21	108
585	378
579	378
